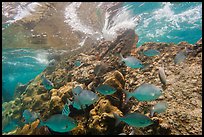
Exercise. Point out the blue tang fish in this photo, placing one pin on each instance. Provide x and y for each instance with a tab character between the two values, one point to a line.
134	119
181	56
159	108
132	62
59	123
84	98
145	92
151	52
29	117
106	89
47	83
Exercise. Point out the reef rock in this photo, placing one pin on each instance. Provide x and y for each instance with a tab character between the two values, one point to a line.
122	44
101	117
182	92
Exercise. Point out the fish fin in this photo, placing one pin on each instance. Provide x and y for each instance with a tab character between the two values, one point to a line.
117	119
122	58
42	123
66	110
52	85
122	134
77	90
76	105
132	132
151	113
128	95
83	107
69	102
144	66
43	77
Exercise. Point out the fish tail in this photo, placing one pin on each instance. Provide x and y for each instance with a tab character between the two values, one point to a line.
42	76
132	132
151	113
128	95
42	123
118	120
144	66
69	102
66	110
122	58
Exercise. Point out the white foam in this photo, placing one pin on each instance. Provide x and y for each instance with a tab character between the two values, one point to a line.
190	16
165	20
26	11
73	20
164	12
18	10
82	42
42	58
123	19
19	64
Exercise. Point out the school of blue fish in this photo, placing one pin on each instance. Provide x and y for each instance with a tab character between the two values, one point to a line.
83	98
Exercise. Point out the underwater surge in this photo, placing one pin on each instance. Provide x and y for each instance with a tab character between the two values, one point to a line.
114	21
152	21
168	22
123	19
21	65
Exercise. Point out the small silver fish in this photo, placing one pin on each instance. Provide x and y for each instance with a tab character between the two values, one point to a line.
106	89
162	75
84	98
158	108
132	62
145	92
47	83
134	119
151	52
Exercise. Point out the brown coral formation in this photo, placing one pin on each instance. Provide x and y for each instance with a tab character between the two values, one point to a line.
182	92
102	117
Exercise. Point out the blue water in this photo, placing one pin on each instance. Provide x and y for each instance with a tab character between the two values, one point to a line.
168	22
159	22
21	66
